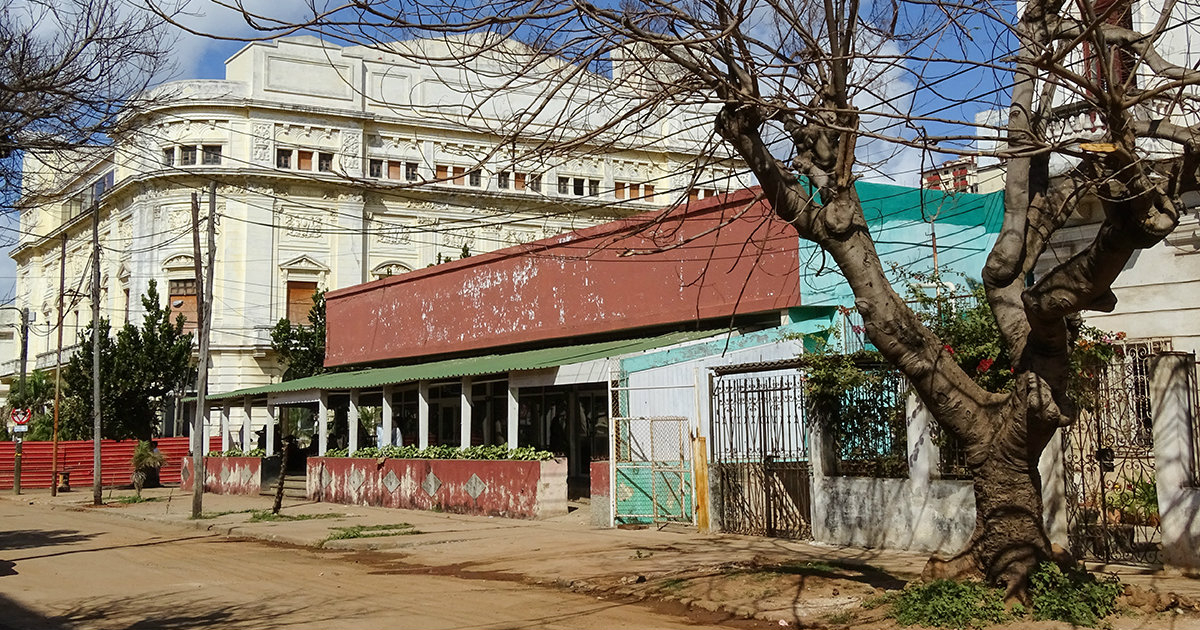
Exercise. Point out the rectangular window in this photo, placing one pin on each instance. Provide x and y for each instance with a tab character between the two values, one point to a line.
299	301
594	187
564	185
395	170
648	192
459	172
693	194
283	158
187	155
578	188
535	182
442	172
182	300
709	192
502	180
475	178
211	154
304	160
619	190
410	171
168	156
325	162
519	181
375	168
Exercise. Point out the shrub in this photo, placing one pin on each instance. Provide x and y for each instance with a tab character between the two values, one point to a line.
1074	596
444	451
949	604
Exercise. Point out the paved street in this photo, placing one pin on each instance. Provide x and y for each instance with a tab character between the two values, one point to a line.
76	569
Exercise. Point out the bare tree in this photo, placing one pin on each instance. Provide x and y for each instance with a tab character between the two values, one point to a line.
68	70
797	88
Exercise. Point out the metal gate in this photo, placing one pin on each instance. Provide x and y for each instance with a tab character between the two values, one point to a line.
760	453
1112	507
652	470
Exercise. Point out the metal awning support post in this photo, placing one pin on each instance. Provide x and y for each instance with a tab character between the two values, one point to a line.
271	420
464	425
246	443
225	426
323	424
423	414
352	421
388	432
514	410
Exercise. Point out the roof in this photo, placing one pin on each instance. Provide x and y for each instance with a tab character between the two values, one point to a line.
469	366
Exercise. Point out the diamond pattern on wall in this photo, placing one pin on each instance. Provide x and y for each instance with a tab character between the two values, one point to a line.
186	473
245	476
226	475
357	477
431	484
391	481
326	478
475	486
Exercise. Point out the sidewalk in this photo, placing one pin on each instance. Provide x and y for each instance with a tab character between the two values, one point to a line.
764	578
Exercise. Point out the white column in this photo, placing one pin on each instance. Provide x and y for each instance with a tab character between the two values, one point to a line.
247	444
387	415
225	427
514	410
1174	459
423	414
271	420
352	420
464	424
323	424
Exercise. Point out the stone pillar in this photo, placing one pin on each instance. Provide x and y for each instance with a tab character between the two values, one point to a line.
1174	459
386	412
514	412
323	424
423	414
225	426
820	461
352	421
272	419
466	411
1054	491
247	444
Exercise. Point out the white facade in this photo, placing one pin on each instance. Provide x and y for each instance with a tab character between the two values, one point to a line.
333	166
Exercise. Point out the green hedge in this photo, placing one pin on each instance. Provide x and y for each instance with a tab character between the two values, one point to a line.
237	452
524	453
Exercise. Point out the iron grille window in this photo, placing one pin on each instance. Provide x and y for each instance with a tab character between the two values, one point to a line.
187	156
502	180
211	155
410	171
375	168
324	162
283	158
168	156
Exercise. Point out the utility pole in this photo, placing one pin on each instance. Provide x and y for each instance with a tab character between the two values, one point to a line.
204	292
17	455
97	485
62	287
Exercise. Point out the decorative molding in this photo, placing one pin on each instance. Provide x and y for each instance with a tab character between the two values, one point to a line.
302	224
351	155
304	263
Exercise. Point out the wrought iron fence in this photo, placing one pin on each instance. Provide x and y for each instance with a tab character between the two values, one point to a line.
868	427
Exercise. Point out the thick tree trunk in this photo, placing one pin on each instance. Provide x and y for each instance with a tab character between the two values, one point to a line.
1010	535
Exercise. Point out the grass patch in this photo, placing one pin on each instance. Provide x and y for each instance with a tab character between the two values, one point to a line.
673	584
133	498
266	516
1074	596
840	619
949	604
372	531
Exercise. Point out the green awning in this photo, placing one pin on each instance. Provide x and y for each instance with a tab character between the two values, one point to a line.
469	366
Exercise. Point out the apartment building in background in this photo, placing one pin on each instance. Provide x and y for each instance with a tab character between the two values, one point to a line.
333	166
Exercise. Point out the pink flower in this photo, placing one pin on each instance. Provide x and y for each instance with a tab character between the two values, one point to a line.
985	364
948	348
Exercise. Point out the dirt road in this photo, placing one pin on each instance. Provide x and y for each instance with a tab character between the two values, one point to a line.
76	569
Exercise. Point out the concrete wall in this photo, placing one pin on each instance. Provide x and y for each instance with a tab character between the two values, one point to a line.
601	482
513	489
226	475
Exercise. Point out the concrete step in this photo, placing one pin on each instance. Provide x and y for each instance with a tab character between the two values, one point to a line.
294	487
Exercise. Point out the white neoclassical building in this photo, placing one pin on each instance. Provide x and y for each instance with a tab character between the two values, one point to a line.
333	166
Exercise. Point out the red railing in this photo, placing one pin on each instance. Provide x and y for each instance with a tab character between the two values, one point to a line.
75	457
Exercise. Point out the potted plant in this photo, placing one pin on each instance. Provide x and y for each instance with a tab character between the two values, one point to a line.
146	461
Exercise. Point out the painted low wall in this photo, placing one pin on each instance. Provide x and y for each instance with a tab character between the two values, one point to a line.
226	475
893	513
601	497
513	489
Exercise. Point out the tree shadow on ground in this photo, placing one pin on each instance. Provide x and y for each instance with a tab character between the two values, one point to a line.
31	538
180	611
